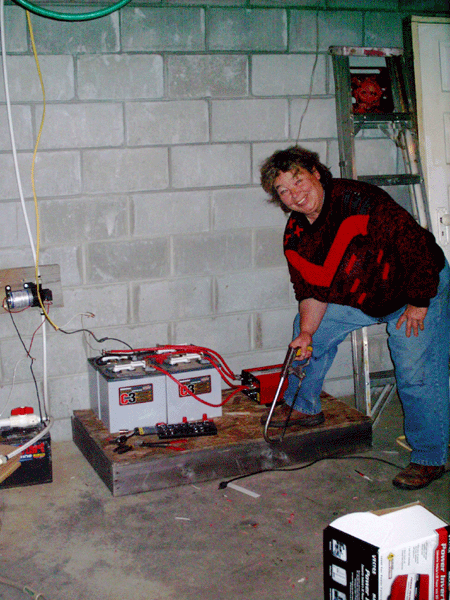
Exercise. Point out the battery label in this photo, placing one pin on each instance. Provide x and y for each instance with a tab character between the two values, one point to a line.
33	451
196	385
136	394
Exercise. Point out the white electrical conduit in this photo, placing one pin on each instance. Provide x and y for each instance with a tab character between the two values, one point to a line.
27	223
11	128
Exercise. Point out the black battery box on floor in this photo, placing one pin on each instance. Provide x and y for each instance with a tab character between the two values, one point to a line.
35	461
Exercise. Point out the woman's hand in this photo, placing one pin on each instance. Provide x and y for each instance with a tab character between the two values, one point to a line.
414	317
311	314
303	343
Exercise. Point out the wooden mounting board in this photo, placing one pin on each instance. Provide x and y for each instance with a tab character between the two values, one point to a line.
238	449
12	465
49	278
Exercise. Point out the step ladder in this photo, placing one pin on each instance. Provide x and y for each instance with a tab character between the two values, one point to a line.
371	70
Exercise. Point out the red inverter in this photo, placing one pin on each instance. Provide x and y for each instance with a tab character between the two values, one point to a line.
262	383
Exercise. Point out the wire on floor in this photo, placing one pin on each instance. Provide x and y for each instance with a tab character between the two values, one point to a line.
224	484
23	588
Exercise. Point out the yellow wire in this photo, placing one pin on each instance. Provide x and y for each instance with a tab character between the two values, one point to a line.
38	234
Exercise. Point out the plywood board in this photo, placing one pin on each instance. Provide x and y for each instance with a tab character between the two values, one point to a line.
239	448
12	465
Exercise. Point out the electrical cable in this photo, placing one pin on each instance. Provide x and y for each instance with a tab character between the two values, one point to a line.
187	391
35	253
23	588
34	334
99	341
31	365
87	339
11	129
224	484
61	16
35	248
33	183
20	188
85	314
210	355
44	367
312	73
12	386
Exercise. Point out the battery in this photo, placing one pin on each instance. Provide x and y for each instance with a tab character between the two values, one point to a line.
203	380
35	461
124	395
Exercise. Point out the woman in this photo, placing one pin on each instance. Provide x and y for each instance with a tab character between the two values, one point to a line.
357	258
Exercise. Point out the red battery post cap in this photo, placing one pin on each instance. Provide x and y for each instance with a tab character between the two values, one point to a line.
22	410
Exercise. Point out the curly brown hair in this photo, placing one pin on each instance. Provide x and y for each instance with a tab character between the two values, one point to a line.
291	159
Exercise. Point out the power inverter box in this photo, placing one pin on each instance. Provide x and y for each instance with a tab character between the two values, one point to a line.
395	554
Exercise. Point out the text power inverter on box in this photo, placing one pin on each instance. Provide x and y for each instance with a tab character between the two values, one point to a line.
394	554
125	394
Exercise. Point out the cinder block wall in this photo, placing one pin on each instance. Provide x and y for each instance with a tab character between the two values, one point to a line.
157	119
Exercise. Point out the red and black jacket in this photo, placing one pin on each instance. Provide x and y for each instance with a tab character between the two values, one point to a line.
364	250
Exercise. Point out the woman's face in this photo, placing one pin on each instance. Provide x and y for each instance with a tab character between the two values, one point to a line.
301	191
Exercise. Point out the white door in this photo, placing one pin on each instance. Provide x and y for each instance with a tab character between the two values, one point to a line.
431	47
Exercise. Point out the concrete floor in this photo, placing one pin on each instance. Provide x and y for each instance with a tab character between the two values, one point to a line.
71	540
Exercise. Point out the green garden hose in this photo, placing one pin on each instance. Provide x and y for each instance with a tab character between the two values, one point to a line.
61	16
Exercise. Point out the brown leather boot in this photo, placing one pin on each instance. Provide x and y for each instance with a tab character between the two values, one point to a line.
415	476
283	412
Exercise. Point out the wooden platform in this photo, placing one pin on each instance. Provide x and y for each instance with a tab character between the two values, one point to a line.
238	449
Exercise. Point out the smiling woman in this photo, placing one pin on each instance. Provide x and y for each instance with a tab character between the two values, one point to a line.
301	191
294	161
356	258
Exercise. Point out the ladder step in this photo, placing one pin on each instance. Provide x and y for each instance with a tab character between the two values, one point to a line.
364	51
381	378
371	120
382	180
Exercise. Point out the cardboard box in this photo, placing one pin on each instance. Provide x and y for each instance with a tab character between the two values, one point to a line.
396	554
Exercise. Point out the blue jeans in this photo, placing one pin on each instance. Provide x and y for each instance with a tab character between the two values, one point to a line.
421	370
